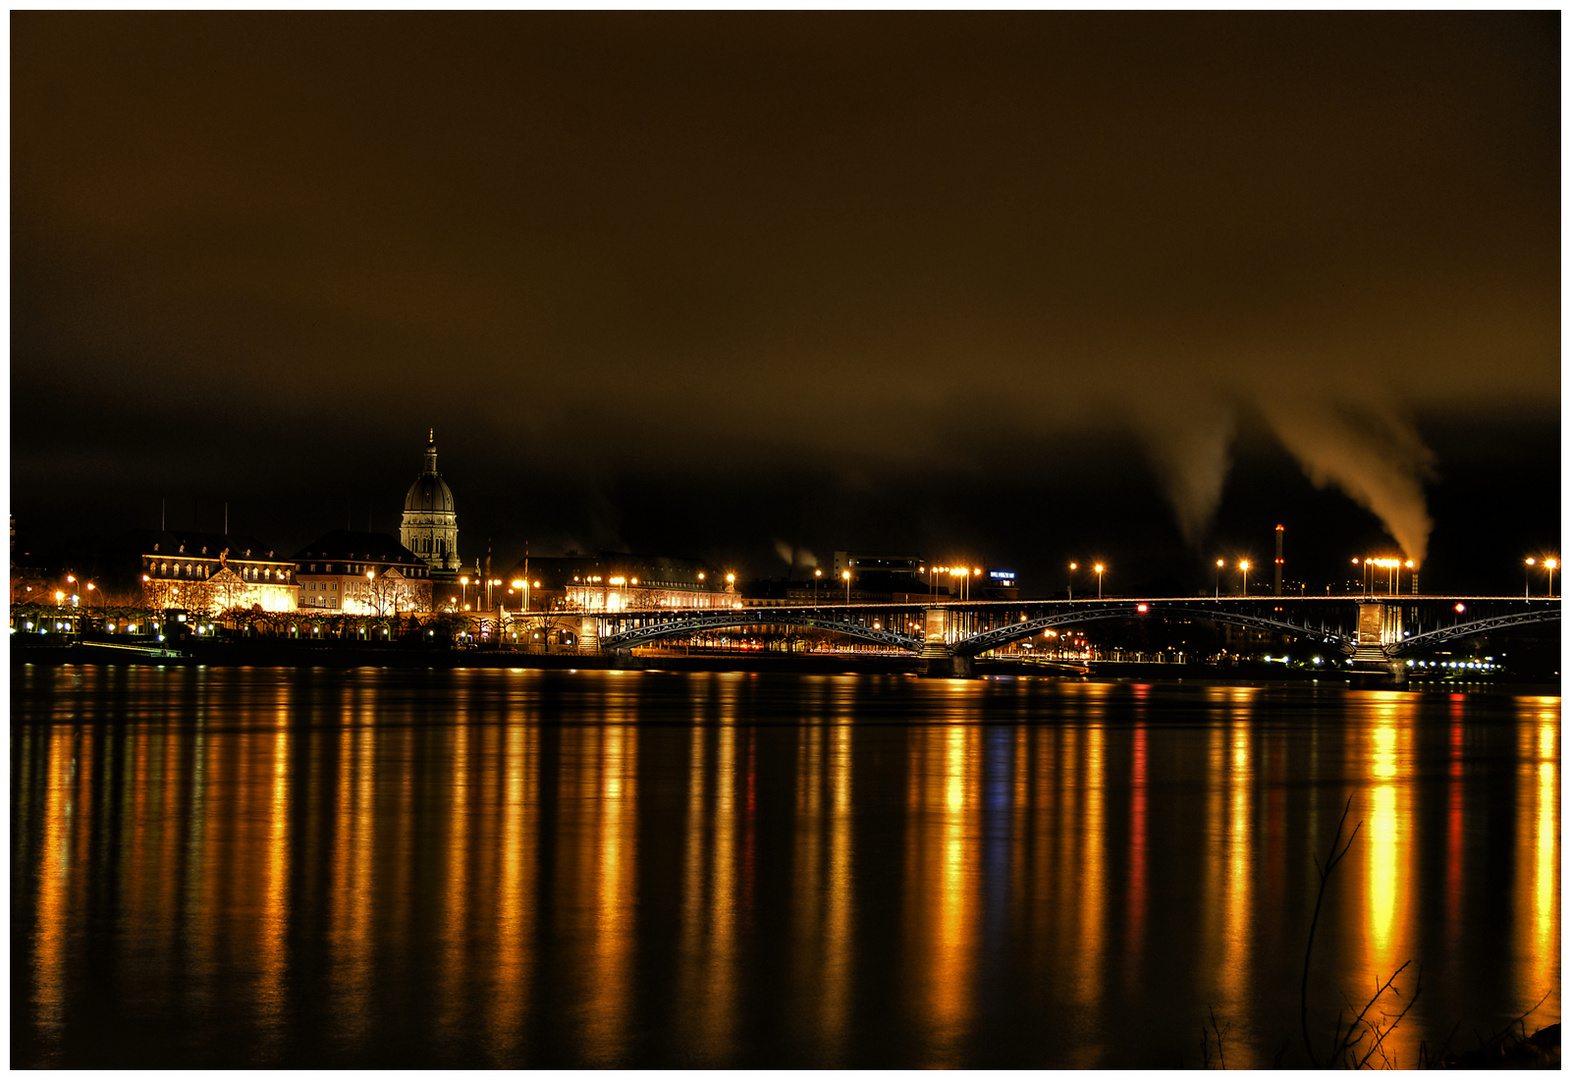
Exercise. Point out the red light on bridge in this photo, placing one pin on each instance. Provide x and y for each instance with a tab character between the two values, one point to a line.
1142	608
1461	608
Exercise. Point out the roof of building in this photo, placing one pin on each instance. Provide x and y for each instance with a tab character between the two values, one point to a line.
346	546
196	544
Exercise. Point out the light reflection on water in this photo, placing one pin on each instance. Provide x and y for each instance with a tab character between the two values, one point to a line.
502	868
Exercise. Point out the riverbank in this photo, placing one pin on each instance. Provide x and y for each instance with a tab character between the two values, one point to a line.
305	654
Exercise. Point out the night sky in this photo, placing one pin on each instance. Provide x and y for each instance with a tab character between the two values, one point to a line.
1011	288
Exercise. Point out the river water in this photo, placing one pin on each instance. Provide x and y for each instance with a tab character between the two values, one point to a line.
410	868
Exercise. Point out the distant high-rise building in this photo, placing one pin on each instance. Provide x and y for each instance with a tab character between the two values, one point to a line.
430	525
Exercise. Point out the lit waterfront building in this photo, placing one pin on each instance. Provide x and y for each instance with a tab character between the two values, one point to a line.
611	581
430	524
360	573
200	572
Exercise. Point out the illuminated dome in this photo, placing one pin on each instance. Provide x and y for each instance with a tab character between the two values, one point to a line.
429	493
430	525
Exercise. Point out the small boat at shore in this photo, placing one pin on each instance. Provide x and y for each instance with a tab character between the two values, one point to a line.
128	650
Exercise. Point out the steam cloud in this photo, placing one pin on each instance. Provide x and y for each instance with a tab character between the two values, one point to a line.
795	557
1189	449
1374	456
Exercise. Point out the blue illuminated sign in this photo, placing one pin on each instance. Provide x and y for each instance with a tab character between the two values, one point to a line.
1001	575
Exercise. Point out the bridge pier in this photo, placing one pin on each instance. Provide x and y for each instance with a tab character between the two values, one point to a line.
588	636
945	665
938	660
1379	626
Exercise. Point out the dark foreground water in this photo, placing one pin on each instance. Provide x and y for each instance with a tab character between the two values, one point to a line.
233	867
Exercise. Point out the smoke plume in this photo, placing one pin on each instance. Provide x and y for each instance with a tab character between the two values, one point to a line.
1188	446
795	557
1374	456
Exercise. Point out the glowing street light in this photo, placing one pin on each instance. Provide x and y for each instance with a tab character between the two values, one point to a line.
1243	566
464	592
1526	578
1072	568
817	574
1099	568
522	585
1549	564
846	574
1219	564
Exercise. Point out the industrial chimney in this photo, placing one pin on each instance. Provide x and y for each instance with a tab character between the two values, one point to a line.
1279	531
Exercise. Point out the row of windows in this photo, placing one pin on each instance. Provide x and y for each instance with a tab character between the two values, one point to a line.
360	568
247	573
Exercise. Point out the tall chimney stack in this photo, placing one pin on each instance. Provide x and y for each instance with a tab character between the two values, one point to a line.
1279	531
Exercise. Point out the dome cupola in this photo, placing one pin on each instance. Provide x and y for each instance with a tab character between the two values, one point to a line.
430	523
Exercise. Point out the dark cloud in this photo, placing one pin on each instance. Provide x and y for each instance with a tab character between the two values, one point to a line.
629	263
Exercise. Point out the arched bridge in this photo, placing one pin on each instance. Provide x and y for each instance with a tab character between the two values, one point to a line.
1372	630
627	629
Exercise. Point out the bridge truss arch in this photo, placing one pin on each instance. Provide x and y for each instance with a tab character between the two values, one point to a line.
650	627
1004	635
1430	638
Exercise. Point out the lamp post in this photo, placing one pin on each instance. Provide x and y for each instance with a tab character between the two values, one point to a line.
1243	566
1072	568
1219	564
846	574
1099	568
522	586
818	574
370	592
1549	564
464	592
1526	579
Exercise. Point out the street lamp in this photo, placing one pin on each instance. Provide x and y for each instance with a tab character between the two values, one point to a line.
1219	564
846	574
817	574
1072	568
1526	580
1243	565
464	592
1099	568
370	593
523	591
1549	564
